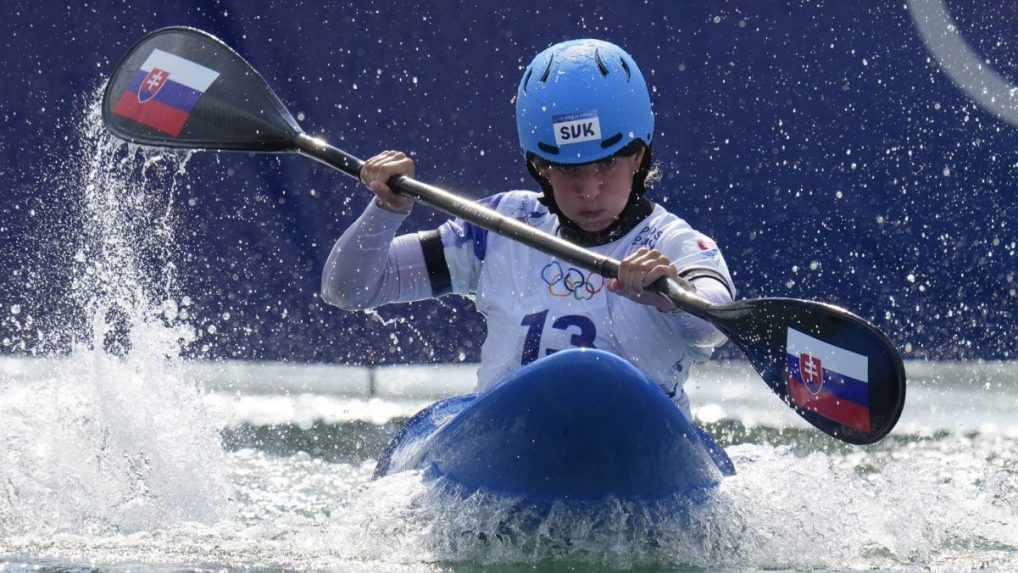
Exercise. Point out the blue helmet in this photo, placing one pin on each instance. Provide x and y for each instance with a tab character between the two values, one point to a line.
581	101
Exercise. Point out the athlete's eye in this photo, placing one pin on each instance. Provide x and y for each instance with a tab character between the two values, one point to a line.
601	167
605	165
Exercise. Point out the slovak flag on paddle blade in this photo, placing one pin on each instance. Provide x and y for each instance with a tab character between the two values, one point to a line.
828	380
163	92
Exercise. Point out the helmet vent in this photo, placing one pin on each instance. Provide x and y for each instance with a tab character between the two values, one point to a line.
611	141
600	63
547	71
548	148
625	66
526	80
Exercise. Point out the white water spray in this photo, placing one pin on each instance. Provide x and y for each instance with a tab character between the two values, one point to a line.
115	439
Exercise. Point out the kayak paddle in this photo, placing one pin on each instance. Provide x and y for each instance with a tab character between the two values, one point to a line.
180	87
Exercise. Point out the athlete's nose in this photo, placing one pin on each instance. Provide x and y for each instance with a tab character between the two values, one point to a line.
590	185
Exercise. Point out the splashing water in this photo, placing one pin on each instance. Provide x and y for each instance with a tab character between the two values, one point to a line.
925	504
112	456
115	439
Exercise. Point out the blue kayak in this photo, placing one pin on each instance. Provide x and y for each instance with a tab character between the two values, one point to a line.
577	425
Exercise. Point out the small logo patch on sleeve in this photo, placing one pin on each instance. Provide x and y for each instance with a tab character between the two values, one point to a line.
706	243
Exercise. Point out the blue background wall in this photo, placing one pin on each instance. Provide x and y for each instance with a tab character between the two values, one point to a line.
820	143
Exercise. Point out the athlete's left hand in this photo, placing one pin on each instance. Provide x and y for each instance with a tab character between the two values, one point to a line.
639	270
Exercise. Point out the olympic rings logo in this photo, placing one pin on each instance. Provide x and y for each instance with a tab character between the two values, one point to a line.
573	282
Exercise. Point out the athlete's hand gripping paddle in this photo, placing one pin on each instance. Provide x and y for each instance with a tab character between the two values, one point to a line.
183	88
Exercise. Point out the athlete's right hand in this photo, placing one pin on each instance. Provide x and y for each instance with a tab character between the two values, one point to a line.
381	168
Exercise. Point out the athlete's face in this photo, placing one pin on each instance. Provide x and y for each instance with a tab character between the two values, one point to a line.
593	195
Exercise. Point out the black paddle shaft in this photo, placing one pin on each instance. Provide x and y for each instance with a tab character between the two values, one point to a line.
760	328
497	223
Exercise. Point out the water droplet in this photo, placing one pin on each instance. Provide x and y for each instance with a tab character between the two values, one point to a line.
170	310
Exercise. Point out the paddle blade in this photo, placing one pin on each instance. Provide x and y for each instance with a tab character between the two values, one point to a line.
181	87
833	368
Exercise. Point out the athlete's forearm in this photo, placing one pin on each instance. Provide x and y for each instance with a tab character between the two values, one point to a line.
697	331
369	266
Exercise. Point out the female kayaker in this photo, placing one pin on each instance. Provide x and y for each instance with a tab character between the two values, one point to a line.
585	126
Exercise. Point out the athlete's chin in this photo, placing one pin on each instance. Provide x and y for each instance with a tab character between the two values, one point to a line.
594	222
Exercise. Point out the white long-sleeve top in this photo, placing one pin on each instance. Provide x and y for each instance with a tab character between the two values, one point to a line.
534	303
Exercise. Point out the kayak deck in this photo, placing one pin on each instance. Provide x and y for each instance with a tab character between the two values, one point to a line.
579	425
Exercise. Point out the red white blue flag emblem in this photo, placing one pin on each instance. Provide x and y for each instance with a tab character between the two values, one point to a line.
153	82
829	380
164	91
812	370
